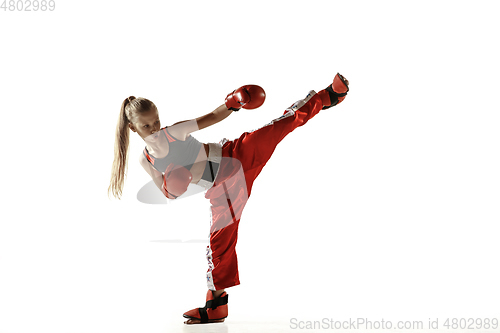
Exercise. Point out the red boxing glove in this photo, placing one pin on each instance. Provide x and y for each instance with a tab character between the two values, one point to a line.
175	181
248	97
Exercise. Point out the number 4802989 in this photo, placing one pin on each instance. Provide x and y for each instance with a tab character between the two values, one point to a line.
28	5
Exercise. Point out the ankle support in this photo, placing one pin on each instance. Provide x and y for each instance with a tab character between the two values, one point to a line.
211	304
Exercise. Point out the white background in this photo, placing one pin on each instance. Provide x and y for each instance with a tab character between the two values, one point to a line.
384	207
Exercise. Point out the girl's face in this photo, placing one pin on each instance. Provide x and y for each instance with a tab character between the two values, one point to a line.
147	125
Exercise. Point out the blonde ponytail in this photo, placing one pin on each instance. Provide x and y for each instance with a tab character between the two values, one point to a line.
119	168
130	110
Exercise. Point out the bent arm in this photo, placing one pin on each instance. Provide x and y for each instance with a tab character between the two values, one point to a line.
156	175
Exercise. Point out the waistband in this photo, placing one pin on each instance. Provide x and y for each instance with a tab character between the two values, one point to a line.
212	167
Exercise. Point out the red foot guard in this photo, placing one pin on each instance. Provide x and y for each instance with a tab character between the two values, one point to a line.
215	310
334	93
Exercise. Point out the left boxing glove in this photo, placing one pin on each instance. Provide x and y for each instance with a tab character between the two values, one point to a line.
175	181
250	96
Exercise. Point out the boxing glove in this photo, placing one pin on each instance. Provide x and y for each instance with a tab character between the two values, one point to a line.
248	97
334	93
175	181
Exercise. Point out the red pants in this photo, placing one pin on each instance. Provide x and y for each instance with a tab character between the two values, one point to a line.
242	161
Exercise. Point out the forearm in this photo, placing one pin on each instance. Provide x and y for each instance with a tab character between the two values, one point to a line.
221	113
213	117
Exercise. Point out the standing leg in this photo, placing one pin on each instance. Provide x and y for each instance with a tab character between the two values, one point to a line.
228	197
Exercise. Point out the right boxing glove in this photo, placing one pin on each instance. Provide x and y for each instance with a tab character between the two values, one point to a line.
175	181
250	96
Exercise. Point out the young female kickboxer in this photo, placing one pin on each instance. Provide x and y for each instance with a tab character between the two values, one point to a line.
227	170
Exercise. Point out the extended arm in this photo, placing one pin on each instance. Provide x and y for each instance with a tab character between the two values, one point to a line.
247	97
182	129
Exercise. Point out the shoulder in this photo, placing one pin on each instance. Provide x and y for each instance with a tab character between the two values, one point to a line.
147	166
177	133
142	159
